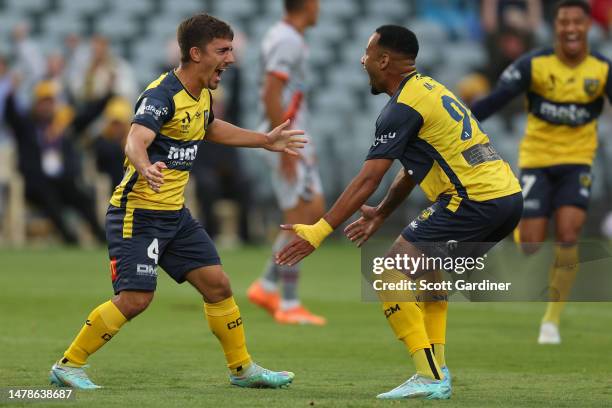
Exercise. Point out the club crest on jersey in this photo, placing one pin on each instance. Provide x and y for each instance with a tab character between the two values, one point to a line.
426	213
591	86
185	122
585	179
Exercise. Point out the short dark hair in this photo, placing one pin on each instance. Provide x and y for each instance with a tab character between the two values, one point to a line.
294	5
586	7
198	31
399	39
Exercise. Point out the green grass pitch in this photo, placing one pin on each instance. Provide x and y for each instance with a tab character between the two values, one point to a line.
167	356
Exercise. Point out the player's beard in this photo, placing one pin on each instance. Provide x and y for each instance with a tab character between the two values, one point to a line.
373	89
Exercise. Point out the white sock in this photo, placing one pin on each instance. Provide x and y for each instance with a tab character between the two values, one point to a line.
268	286
289	304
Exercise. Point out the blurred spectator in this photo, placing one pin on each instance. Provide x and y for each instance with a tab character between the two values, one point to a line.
109	145
29	63
458	17
522	15
93	75
602	13
6	86
510	27
48	159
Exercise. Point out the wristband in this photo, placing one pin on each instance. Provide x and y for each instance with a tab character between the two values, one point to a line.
314	234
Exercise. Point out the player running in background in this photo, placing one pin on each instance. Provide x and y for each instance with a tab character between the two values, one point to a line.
295	180
441	147
565	87
147	223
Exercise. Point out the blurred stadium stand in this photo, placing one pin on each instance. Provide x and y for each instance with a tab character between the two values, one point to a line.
342	108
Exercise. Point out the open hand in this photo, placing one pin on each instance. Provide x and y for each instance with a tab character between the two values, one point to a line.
362	229
153	175
285	141
295	251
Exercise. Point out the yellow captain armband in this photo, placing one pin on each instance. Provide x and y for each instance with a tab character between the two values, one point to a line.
314	234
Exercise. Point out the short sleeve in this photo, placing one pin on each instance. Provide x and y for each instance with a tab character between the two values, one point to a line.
282	57
395	128
153	109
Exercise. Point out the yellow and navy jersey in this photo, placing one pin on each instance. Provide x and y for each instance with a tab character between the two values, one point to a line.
563	104
179	121
440	144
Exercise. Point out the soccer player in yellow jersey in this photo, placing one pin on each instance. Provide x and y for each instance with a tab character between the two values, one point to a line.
147	224
565	88
476	198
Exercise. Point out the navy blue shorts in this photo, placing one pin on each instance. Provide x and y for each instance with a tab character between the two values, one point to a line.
548	188
140	241
477	224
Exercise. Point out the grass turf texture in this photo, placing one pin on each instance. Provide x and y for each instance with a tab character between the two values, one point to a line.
167	356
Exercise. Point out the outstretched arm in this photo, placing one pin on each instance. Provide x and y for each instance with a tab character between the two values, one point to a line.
515	80
353	197
277	140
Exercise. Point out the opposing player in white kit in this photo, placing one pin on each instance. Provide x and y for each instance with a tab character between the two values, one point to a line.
296	181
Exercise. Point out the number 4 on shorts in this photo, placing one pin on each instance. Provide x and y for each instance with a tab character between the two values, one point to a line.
153	250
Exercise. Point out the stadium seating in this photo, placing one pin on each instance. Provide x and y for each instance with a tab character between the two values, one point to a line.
142	28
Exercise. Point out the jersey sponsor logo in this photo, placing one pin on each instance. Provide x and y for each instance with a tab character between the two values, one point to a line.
146	270
235	323
564	114
152	110
382	139
591	86
391	310
511	74
183	153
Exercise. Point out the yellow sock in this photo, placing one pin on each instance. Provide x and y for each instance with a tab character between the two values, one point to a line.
435	323
562	278
439	353
426	364
406	320
225	322
101	325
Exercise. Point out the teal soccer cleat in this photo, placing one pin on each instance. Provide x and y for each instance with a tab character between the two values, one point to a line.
259	377
448	379
419	387
75	377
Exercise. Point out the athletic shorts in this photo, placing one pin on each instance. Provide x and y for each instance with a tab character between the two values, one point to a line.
547	188
479	225
305	186
140	242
